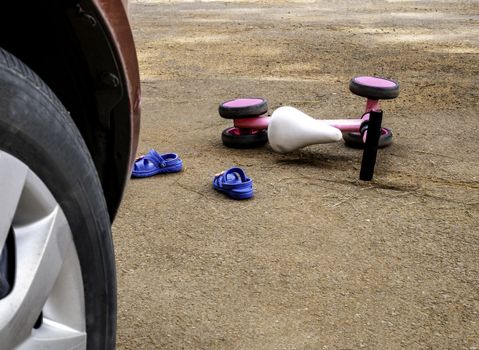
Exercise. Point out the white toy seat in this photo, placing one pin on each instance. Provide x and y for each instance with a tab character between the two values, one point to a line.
290	129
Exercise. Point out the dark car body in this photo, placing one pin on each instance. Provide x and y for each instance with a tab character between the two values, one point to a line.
85	53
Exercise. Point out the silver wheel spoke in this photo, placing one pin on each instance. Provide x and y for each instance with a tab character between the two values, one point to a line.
65	303
44	244
12	179
55	336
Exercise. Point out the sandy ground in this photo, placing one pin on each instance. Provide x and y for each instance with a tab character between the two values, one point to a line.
318	259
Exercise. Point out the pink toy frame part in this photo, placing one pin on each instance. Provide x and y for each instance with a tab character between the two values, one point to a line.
345	125
260	123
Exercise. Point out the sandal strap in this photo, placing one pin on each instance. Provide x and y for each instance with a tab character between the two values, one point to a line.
222	179
155	158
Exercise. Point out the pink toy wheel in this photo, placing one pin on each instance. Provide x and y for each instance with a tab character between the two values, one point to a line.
354	139
241	138
243	108
374	88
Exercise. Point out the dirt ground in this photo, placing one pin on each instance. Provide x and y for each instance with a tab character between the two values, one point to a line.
318	259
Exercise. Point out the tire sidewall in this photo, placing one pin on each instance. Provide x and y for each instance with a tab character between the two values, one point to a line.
36	129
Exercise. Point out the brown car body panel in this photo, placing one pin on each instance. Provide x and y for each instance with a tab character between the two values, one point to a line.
116	18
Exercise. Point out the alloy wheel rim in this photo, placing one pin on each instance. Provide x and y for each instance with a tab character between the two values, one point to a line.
47	278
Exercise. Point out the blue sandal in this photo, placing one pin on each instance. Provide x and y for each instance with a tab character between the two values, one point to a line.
154	163
234	183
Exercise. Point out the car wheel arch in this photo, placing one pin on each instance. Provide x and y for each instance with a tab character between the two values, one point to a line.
70	46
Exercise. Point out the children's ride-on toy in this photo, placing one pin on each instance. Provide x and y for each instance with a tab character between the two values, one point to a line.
289	129
251	122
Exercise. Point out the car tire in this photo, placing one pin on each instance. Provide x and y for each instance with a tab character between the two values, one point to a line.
40	143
